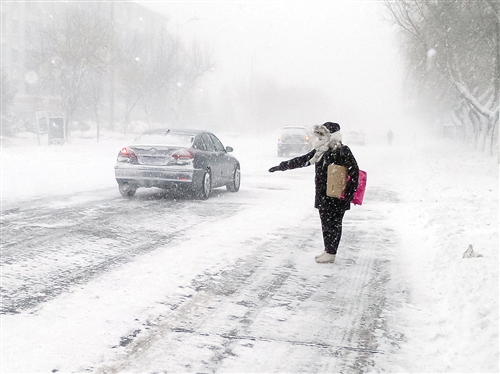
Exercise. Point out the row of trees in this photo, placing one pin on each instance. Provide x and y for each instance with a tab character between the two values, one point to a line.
452	54
91	66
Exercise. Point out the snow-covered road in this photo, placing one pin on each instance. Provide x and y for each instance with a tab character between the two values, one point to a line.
48	250
272	309
237	279
92	282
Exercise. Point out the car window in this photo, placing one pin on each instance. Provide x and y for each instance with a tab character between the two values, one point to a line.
208	142
199	143
166	138
217	143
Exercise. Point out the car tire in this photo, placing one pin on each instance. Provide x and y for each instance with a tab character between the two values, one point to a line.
206	186
127	190
234	185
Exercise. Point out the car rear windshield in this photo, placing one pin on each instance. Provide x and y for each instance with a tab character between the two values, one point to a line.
294	131
166	138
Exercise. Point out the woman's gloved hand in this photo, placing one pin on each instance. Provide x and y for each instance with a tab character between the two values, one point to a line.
348	197
275	168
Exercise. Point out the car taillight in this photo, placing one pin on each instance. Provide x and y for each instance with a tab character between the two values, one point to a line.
127	155
183	156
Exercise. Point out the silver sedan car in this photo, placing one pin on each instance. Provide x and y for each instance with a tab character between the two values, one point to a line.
177	160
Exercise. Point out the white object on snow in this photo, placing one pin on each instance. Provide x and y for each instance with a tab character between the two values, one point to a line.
469	253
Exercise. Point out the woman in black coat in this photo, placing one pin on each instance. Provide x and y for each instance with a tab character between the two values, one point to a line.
328	149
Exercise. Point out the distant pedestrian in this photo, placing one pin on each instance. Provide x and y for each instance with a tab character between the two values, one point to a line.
328	149
390	136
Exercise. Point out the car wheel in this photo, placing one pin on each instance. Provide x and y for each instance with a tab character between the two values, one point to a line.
206	186
127	190
234	185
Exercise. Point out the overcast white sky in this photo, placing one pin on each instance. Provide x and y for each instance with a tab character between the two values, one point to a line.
341	47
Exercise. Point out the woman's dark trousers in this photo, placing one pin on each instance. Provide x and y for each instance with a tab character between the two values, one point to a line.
331	224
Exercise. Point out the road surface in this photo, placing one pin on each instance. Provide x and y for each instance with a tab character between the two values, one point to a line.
265	307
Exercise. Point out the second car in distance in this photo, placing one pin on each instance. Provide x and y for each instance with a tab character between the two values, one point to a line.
294	139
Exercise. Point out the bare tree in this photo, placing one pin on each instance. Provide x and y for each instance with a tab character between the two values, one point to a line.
8	93
7	98
457	41
161	77
70	48
131	71
147	69
195	63
94	95
156	71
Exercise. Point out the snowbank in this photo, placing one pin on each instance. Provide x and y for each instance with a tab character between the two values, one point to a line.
447	199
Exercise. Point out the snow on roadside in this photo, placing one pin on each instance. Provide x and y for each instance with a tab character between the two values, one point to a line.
448	199
30	171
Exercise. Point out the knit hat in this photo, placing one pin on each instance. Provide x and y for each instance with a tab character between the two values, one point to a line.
332	126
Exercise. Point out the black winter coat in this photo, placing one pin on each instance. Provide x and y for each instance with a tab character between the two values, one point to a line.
340	156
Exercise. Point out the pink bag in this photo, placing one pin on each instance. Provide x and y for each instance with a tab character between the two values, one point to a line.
357	199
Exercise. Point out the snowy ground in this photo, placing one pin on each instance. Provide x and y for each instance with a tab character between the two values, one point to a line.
427	198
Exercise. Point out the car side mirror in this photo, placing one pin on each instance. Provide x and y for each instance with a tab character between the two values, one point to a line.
229	149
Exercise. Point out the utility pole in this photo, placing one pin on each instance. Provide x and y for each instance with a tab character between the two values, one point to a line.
112	70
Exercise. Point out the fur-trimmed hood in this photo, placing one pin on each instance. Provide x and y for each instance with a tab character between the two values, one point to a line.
324	140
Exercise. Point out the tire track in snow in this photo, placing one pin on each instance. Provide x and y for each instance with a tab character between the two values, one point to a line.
47	251
316	318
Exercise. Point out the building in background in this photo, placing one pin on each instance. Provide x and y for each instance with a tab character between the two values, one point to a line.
22	21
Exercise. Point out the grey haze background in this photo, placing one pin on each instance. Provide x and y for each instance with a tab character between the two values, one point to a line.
342	49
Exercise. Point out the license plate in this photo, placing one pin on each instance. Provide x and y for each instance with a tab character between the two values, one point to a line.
149	160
